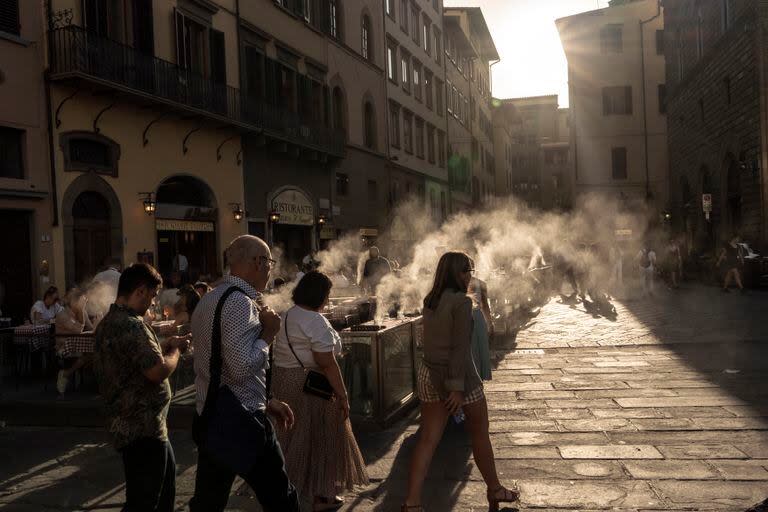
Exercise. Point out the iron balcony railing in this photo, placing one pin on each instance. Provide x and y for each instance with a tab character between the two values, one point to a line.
76	52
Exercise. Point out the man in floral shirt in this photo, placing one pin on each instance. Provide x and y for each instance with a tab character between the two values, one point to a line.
132	369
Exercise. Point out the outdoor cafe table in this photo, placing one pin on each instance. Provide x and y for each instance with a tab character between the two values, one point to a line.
74	345
33	337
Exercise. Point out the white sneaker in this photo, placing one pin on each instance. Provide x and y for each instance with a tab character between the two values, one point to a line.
61	382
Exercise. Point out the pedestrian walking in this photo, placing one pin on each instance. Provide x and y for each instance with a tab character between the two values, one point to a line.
646	264
376	267
616	258
132	369
232	429
448	382
321	453
730	255
482	326
673	263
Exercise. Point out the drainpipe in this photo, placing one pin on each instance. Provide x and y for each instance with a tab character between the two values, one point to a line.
645	109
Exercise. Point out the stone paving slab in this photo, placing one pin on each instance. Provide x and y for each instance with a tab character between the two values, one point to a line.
702	452
610	452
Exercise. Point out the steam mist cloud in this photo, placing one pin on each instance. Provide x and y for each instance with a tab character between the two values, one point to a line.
505	241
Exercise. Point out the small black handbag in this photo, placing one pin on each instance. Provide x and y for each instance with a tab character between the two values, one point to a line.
316	383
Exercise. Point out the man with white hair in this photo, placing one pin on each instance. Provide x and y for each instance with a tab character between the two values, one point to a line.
231	318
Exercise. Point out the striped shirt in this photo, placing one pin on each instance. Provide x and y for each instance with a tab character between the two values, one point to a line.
244	353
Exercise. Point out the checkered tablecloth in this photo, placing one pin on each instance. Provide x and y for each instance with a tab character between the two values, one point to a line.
37	337
74	345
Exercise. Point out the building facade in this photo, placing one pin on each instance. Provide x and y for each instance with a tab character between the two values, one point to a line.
415	84
617	88
26	207
717	119
469	51
504	119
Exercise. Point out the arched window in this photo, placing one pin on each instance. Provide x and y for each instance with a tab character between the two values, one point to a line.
367	47
369	127
338	110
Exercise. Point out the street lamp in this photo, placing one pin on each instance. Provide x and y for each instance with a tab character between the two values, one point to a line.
321	220
149	203
237	212
274	216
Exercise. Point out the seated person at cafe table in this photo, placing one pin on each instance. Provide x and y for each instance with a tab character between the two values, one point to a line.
44	311
72	320
188	299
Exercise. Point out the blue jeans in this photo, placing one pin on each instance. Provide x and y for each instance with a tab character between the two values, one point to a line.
150	476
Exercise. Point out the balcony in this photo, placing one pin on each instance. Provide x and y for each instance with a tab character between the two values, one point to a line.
78	54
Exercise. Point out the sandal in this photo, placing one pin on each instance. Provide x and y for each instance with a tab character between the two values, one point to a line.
501	495
414	508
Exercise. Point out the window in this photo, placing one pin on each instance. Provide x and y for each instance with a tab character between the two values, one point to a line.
438	40
392	61
87	151
726	14
389	6
339	110
727	87
307	7
333	14
617	101
459	108
404	13
11	159
419	138
450	97
417	80
439	88
426	36
619	163
369	128
394	124
407	131
435	5
659	42
254	75
366	47
373	191
431	143
415	28
700	34
200	49
405	72
662	98
428	88
9	17
342	184
611	39
680	65
441	148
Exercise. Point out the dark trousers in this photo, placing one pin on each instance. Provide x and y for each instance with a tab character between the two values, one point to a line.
150	476
267	478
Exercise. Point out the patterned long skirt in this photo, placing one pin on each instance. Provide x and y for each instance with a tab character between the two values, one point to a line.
321	454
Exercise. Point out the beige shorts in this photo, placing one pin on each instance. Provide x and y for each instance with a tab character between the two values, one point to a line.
426	391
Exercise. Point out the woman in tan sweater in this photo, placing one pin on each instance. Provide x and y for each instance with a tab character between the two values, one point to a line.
448	381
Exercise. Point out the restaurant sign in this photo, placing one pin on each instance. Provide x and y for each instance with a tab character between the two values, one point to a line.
294	208
183	225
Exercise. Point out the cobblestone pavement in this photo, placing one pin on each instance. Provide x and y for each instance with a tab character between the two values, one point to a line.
663	408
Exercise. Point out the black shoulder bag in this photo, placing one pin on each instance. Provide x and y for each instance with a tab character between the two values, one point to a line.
229	433
316	383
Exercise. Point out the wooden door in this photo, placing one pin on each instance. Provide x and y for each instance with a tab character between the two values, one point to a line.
91	234
16	293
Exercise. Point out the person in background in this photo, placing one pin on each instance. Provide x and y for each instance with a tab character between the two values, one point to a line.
181	265
376	267
132	369
482	326
673	263
72	319
321	453
102	290
247	331
616	259
169	296
44	311
448	382
188	300
646	264
201	287
730	255
111	274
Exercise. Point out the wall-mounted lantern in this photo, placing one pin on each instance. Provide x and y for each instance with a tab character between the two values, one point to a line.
148	201
237	212
274	216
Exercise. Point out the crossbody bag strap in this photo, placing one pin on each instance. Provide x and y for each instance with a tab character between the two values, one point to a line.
288	339
216	364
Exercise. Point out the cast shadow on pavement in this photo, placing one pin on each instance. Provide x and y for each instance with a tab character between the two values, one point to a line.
86	475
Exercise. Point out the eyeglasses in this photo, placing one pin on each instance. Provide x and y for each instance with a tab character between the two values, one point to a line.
470	270
271	262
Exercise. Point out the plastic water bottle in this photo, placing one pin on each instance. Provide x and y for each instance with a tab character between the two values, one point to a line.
459	417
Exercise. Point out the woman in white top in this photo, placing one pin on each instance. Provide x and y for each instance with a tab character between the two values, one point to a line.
321	454
72	320
44	311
